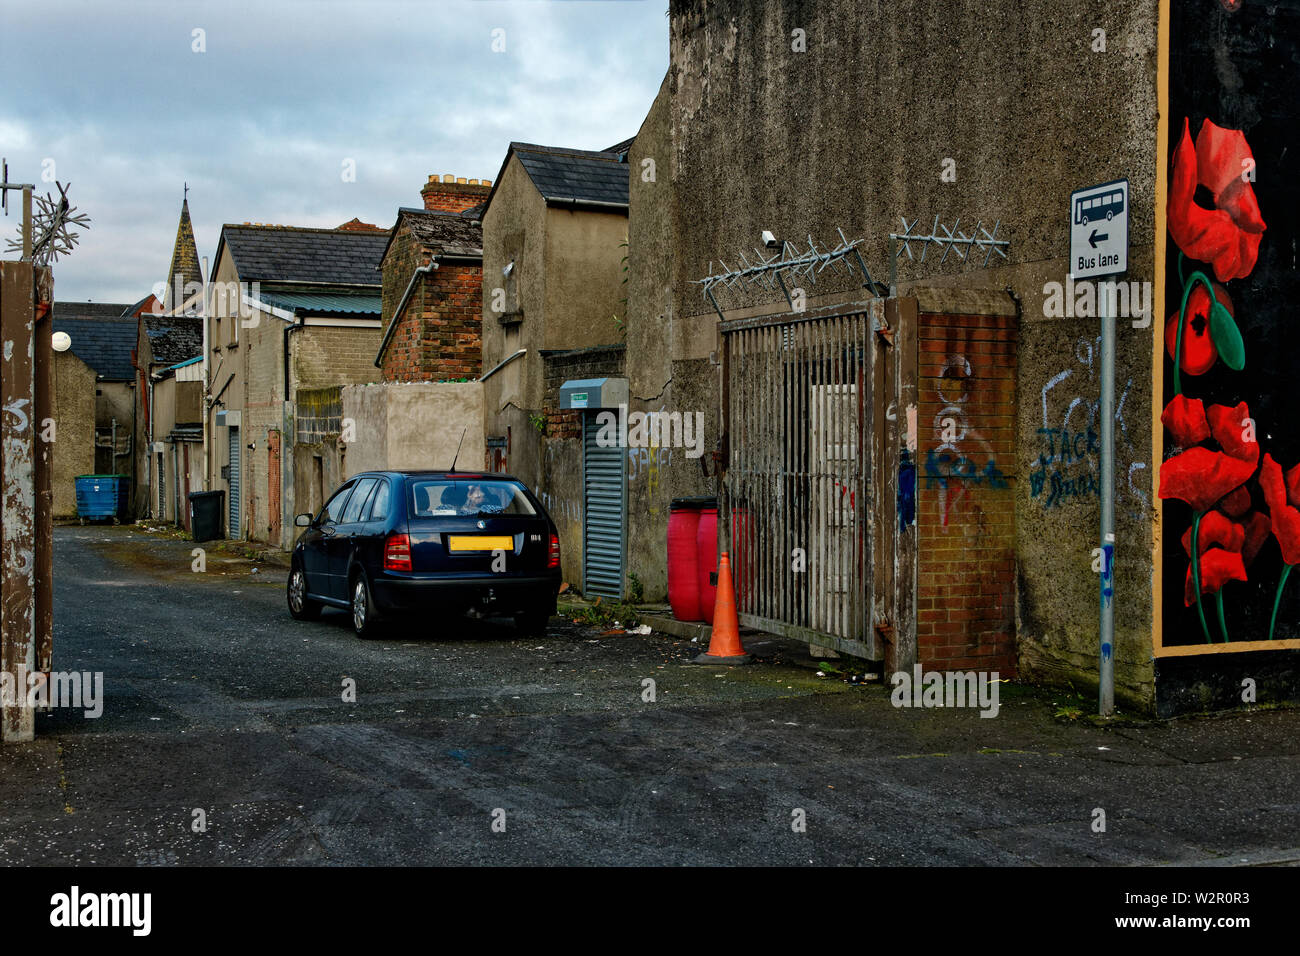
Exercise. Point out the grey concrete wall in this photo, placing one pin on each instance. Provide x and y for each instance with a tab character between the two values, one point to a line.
407	426
224	360
854	133
668	367
73	452
584	277
568	281
514	228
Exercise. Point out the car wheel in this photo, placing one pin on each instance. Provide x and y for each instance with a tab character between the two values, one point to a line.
533	621
301	607
1110	215
365	616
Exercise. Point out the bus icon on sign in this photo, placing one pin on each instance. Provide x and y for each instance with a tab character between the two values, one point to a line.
1092	208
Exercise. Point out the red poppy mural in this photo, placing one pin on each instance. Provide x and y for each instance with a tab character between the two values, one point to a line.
1199	353
1282	494
1228	235
1225	534
1204	478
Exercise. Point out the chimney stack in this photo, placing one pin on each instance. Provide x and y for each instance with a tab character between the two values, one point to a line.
452	194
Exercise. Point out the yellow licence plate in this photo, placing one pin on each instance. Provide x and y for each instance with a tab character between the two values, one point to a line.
480	542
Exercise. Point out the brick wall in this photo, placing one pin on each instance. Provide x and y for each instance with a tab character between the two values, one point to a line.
404	256
965	492
454	195
438	335
604	361
335	355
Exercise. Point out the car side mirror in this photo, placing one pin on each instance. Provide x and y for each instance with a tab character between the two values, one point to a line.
303	521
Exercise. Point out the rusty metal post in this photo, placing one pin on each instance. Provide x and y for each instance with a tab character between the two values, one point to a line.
17	498
43	424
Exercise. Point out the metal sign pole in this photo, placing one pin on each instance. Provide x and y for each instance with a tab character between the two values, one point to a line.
1106	689
1099	250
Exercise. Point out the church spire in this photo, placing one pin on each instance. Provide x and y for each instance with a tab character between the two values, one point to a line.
184	269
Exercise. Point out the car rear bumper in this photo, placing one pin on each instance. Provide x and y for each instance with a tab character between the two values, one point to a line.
487	590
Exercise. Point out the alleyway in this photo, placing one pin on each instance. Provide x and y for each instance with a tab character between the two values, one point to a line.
216	700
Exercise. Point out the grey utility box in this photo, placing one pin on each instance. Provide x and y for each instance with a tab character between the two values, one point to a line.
593	393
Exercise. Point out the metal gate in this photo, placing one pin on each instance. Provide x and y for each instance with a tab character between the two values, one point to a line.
801	397
604	489
233	482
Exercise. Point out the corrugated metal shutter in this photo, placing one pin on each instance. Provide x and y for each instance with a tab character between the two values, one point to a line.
162	489
604	492
234	528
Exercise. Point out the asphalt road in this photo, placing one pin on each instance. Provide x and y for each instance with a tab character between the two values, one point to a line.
215	700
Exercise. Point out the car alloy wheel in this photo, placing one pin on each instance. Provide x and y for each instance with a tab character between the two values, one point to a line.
360	606
297	590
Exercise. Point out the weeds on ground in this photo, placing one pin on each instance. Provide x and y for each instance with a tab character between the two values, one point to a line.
599	614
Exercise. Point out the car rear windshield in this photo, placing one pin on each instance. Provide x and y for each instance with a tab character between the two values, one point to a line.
437	497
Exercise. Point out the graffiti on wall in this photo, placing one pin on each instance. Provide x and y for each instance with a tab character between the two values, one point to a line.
1230	475
1067	469
962	459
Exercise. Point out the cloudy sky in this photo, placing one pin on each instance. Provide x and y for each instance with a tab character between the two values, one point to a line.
261	123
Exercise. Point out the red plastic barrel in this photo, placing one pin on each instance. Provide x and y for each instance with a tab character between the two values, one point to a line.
706	542
683	563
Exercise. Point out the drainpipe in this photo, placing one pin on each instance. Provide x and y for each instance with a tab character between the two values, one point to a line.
148	424
287	441
401	306
176	484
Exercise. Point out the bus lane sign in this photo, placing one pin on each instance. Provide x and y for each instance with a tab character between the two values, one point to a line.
1099	230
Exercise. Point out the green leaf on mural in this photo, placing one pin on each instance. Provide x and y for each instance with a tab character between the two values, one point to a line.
1227	338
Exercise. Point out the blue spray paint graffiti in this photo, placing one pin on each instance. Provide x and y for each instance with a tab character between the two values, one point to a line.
940	468
1107	578
906	490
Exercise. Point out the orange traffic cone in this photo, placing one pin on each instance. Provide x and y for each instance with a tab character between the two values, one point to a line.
724	643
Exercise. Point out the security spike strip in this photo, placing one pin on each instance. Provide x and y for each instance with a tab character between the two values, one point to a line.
769	269
950	240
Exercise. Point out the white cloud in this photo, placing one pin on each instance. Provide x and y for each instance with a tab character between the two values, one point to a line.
260	123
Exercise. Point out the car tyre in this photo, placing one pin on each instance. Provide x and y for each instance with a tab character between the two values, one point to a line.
301	607
365	616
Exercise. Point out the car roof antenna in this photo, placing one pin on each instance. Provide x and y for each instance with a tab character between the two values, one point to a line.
458	444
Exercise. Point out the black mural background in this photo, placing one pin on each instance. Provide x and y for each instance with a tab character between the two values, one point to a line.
1241	69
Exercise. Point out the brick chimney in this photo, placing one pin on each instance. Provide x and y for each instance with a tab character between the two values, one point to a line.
452	194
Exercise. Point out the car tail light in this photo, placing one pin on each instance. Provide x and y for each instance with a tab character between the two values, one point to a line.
397	553
553	561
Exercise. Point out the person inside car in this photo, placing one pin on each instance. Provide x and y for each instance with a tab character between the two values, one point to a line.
479	499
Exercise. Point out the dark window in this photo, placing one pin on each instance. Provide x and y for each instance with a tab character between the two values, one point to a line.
333	509
379	502
358	500
440	496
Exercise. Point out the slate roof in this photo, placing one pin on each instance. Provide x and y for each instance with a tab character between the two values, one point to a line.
92	310
324	303
445	233
622	147
294	254
105	343
173	339
563	174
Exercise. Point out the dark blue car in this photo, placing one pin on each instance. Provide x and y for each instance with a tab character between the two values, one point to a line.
395	541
